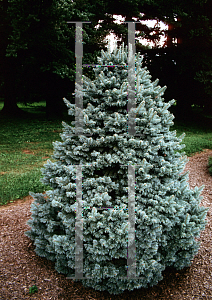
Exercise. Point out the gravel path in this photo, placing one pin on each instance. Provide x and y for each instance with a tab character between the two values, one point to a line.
21	268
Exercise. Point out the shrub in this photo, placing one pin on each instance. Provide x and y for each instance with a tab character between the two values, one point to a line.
167	212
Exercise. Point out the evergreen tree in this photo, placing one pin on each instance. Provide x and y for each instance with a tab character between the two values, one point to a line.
168	215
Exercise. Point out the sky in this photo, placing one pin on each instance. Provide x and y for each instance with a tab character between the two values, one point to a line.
151	23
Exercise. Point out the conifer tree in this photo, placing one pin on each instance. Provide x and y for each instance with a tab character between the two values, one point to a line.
168	214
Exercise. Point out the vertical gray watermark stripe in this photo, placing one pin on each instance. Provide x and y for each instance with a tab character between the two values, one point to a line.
79	225
79	228
79	83
131	78
131	253
131	257
79	95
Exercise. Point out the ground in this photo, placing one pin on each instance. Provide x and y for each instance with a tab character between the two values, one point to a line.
21	268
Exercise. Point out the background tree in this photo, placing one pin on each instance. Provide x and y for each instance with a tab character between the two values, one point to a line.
39	49
185	60
37	52
27	49
7	65
184	63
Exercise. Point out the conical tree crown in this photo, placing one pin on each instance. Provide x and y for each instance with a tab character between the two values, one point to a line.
167	212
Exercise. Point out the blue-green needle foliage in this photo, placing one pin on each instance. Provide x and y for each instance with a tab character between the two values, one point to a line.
168	215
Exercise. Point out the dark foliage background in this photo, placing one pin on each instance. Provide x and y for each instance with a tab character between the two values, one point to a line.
37	53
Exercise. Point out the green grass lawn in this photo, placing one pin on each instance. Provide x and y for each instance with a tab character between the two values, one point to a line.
26	144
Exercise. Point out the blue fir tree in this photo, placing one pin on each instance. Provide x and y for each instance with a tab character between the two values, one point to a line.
168	216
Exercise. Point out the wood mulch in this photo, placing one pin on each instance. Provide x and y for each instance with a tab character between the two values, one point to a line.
21	268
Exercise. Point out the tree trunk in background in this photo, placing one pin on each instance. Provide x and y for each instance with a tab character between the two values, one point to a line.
169	36
8	66
55	90
9	90
184	80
